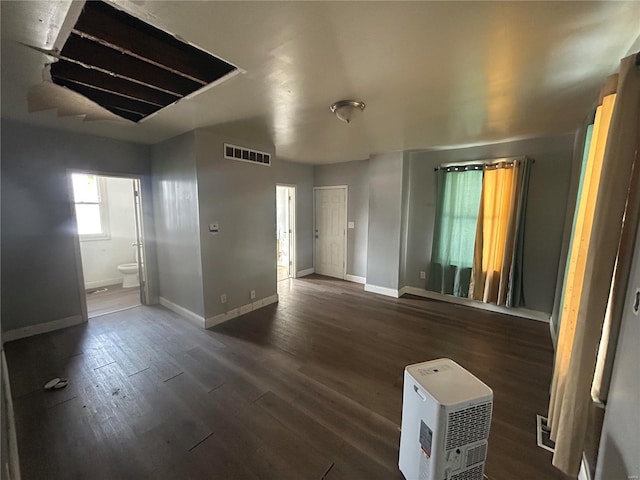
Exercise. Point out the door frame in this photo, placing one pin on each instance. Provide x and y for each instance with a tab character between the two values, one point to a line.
293	273
143	277
144	289
346	223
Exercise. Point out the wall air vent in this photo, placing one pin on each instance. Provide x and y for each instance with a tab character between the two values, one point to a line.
129	67
234	152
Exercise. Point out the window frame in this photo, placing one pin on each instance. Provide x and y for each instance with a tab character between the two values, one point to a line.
103	208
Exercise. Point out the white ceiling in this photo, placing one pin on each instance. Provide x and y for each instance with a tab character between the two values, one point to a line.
433	74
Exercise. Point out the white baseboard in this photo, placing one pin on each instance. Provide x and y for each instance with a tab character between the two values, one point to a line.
355	278
584	470
11	465
236	312
103	283
552	331
31	330
389	292
304	273
516	312
183	312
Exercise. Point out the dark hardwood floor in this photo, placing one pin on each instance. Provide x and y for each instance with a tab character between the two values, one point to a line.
310	388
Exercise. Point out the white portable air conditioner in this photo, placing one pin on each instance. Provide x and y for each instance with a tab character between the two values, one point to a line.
446	415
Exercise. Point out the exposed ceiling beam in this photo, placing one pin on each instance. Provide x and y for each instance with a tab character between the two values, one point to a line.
120	31
66	70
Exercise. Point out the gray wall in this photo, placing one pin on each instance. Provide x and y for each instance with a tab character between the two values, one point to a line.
618	456
548	191
194	186
385	214
39	279
356	176
241	198
300	175
175	201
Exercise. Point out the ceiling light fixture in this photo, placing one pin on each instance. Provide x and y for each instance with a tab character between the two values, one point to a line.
345	109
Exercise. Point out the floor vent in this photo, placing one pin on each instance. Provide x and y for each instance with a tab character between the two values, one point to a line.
544	434
234	152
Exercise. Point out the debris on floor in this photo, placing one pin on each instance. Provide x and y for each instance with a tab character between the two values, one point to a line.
56	383
97	290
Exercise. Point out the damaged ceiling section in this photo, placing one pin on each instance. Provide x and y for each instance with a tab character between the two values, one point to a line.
129	67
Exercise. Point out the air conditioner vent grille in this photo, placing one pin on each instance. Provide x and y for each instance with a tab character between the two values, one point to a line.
474	473
476	454
468	425
234	152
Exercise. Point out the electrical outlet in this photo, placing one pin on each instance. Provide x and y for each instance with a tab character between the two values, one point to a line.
253	294
423	275
223	298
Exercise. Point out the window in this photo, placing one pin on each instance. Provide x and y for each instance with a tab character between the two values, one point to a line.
459	206
91	212
458	201
479	230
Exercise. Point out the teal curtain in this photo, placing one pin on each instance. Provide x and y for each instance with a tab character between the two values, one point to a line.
458	200
583	168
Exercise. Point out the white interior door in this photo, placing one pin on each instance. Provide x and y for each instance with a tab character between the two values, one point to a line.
330	231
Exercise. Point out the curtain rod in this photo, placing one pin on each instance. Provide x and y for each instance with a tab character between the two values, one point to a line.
479	164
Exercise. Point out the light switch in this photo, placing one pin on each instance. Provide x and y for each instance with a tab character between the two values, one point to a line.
351	225
214	228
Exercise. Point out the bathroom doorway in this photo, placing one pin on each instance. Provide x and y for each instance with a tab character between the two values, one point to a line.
285	231
109	225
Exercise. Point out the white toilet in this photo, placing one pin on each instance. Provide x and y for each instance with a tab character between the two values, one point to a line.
129	272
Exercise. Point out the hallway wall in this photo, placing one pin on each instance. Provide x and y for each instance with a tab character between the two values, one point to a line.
38	240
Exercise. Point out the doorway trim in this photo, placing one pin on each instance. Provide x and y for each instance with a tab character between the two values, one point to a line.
346	222
293	226
76	237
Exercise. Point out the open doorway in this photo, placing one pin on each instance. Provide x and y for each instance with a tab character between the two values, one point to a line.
109	224
285	231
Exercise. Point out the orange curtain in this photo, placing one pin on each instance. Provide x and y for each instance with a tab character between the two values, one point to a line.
561	407
496	232
602	212
578	257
